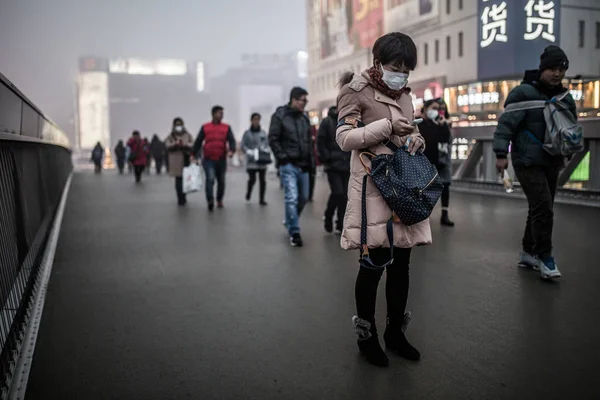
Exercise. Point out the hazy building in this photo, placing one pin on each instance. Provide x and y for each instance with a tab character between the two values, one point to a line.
471	52
260	84
117	96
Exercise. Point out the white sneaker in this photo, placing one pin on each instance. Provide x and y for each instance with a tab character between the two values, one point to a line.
549	269
526	260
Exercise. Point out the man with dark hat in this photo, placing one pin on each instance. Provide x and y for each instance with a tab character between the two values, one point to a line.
536	169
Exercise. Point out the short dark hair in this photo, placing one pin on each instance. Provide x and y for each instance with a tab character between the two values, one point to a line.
255	115
176	120
215	109
297	92
136	133
396	48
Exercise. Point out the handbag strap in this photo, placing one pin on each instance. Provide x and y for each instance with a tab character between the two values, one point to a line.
365	260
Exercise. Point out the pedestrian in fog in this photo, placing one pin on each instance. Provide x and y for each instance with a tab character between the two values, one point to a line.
148	157
138	155
120	155
179	145
535	168
212	146
438	139
254	141
97	157
337	167
158	150
291	142
376	107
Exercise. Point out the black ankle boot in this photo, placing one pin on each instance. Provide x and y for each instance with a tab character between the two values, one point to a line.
445	219
368	343
396	341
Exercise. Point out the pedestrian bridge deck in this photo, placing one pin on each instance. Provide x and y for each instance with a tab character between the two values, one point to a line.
151	301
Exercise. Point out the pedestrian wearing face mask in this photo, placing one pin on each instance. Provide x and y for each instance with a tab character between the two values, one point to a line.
376	107
179	146
438	139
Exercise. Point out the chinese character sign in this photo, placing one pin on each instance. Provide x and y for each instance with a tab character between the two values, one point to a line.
493	24
540	20
513	33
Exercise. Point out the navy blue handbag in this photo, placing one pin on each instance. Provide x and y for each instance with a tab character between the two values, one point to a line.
410	185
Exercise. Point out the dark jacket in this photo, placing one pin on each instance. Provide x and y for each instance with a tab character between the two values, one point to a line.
120	151
97	154
330	153
157	148
290	138
517	127
436	136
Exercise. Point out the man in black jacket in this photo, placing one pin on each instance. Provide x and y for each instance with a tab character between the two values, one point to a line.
337	166
536	169
291	142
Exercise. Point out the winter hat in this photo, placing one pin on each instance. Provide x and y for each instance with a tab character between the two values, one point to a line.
552	57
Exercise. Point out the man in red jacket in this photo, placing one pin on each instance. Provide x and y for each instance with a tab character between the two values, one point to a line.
212	147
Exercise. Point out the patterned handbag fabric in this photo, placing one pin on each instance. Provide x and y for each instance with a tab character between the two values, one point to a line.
410	185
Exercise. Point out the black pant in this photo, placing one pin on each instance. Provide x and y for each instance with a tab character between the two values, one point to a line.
446	196
262	182
181	197
396	287
158	163
312	175
97	167
138	170
338	183
121	165
539	185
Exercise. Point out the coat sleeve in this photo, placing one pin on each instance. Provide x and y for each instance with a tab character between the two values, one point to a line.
275	132
323	138
246	142
231	140
508	124
197	148
350	138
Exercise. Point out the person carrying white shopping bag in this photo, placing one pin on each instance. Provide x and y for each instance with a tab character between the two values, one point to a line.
192	179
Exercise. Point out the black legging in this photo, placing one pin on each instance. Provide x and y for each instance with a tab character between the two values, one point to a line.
446	196
396	287
252	181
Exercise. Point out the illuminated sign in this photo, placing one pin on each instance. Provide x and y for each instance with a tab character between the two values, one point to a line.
136	66
493	24
93	109
512	35
541	16
475	99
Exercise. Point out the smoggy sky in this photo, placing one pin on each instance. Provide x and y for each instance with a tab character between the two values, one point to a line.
41	40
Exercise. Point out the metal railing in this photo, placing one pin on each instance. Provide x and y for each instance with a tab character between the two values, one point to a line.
35	164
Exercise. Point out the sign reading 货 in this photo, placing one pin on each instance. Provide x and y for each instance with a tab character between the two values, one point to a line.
512	35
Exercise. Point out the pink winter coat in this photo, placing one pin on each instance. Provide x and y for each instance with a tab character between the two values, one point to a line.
360	100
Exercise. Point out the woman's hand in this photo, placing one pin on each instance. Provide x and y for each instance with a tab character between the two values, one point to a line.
414	144
402	127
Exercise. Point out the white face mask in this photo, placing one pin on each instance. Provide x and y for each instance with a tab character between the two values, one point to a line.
178	128
394	80
432	114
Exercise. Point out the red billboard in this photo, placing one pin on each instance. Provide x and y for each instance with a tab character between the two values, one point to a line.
349	25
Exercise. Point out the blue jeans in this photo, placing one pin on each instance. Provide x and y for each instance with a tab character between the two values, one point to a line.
215	170
296	186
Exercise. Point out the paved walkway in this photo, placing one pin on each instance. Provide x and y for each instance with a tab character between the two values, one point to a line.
150	301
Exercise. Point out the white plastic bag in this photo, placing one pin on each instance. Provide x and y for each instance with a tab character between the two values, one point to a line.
192	179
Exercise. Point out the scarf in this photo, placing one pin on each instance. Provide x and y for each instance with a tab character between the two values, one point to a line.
377	81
